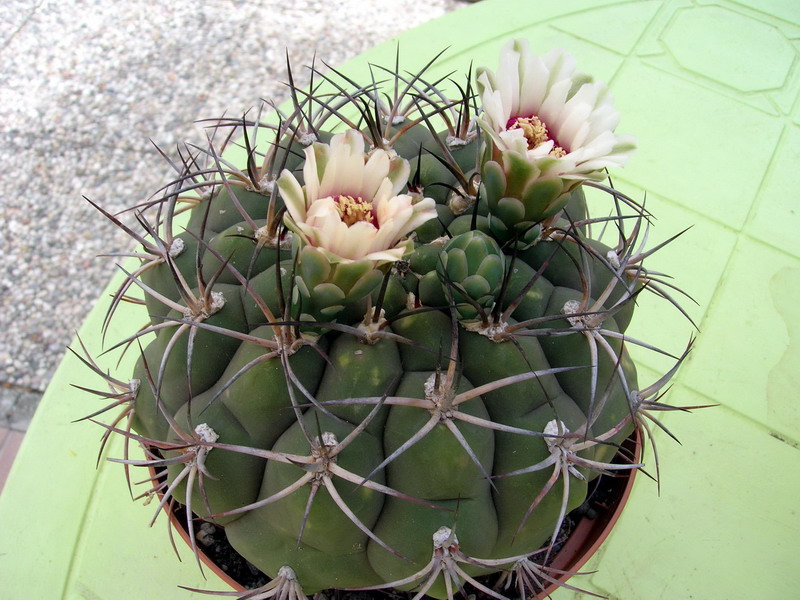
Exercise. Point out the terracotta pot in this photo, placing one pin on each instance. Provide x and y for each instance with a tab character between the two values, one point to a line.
587	535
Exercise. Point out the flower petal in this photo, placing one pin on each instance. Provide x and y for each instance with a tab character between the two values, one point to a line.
293	195
342	169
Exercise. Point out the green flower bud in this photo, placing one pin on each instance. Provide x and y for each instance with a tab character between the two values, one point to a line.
472	266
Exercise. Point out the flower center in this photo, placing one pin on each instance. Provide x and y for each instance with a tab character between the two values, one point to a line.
352	210
535	132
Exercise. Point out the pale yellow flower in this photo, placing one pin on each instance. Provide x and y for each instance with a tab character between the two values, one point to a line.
350	206
557	118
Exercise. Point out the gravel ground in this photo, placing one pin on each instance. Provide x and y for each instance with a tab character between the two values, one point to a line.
84	85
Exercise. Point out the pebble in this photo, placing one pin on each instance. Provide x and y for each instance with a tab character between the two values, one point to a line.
205	534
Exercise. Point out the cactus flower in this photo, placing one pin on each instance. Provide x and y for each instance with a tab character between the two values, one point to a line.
350	207
548	129
541	107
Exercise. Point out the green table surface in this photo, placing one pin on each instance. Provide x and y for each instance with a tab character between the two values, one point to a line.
711	90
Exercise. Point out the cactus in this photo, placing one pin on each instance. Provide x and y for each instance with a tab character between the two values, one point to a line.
393	356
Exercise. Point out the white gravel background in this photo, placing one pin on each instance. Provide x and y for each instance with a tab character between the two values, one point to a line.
83	86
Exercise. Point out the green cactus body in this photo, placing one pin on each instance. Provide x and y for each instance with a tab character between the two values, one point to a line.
254	409
353	406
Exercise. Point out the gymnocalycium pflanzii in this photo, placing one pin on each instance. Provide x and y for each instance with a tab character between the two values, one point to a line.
386	348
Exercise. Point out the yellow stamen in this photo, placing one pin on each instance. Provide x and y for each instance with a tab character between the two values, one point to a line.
536	133
352	210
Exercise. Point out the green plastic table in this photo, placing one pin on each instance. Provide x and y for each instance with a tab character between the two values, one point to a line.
711	90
